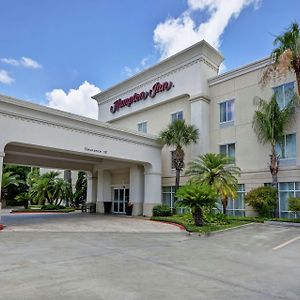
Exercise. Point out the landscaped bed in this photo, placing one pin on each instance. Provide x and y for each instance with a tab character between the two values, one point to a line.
188	222
229	222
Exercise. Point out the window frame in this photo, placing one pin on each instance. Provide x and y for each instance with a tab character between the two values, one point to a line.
227	147
141	123
283	85
278	146
226	102
176	113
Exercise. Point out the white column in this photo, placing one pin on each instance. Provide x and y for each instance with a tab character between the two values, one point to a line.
200	119
136	189
152	191
103	189
1	170
91	188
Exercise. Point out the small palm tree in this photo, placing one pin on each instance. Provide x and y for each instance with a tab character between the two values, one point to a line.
179	135
218	171
8	178
62	191
270	123
196	196
286	56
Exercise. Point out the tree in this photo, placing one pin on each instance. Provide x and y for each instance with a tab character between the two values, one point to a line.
218	171
286	56
270	123
80	189
68	179
179	134
196	196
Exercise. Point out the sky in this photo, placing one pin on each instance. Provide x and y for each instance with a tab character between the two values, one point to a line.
61	52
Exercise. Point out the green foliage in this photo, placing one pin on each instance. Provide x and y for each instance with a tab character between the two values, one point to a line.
80	189
294	204
218	171
161	210
23	199
218	218
263	200
52	207
179	134
270	122
195	195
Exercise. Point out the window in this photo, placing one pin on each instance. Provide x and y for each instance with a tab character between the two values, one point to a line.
142	127
172	160
228	150
285	191
236	207
288	147
177	116
168	193
284	94
227	111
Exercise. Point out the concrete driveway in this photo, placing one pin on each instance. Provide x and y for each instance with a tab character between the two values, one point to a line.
81	222
254	262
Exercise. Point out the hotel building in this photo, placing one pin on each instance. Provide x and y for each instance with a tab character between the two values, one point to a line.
120	152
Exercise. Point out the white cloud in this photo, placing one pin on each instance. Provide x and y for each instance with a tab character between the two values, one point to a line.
143	64
176	34
5	77
25	62
30	63
77	101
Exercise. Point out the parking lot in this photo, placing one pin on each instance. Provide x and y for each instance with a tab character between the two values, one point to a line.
254	262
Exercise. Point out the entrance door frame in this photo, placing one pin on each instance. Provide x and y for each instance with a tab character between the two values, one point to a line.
124	188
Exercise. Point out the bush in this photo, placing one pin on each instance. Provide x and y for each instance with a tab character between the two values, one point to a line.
294	204
52	207
215	218
263	200
161	210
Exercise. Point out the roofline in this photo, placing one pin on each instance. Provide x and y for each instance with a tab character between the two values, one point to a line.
172	57
129	134
258	64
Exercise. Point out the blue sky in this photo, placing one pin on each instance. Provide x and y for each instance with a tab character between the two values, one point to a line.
49	47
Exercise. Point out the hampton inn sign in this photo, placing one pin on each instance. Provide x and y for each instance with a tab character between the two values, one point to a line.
158	87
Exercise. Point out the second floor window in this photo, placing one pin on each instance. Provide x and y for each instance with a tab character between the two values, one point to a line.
227	111
287	149
284	94
142	127
228	150
177	116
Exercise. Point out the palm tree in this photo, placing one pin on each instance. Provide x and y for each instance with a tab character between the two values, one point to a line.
179	134
286	56
270	123
8	178
218	171
196	196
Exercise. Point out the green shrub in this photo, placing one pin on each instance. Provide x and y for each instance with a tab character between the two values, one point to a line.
294	204
161	210
263	200
52	207
215	218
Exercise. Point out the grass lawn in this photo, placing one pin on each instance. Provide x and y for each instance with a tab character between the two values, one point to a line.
188	222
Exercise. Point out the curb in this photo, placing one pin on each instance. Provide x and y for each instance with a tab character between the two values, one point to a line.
223	230
172	223
278	223
1	227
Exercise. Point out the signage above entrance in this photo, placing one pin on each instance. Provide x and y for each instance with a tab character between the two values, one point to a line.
158	87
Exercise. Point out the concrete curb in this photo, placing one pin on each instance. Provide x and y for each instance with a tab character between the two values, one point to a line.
224	230
277	223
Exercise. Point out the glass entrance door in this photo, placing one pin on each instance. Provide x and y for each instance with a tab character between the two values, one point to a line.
121	197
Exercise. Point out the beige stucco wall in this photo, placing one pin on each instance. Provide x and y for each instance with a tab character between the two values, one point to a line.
251	156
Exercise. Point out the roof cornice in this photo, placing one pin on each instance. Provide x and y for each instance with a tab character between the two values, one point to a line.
196	51
259	64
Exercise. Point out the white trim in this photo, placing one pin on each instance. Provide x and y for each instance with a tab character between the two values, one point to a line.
256	65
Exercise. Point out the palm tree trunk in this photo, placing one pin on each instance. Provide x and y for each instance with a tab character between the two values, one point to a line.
198	216
274	168
224	205
68	178
177	180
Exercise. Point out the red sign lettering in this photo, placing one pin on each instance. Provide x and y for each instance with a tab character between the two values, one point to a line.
157	88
